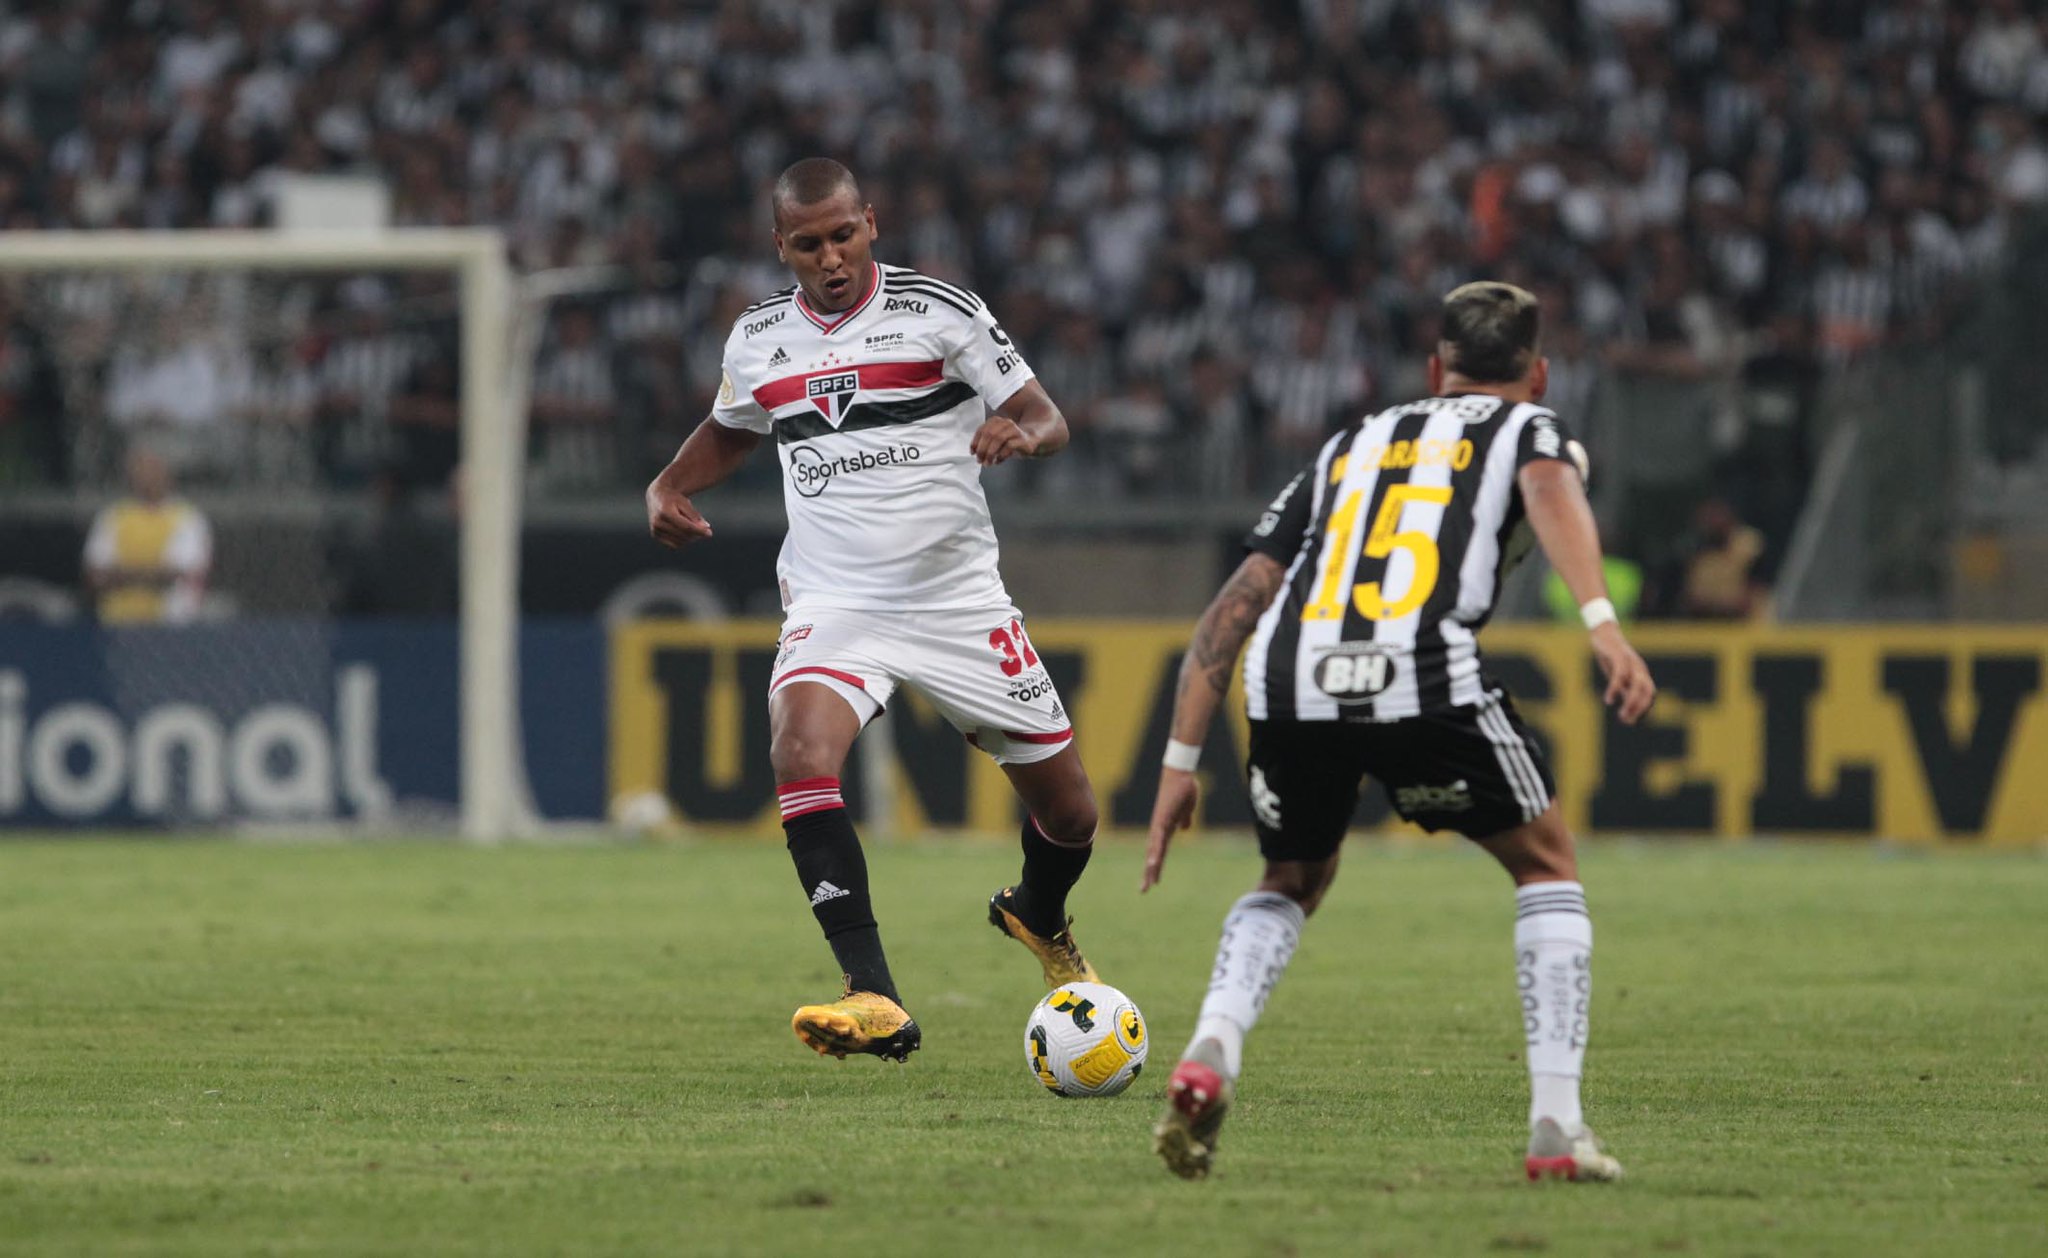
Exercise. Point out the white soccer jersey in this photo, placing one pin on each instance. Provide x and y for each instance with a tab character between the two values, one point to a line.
872	414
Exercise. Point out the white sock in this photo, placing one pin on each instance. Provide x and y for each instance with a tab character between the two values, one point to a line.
1554	970
1259	937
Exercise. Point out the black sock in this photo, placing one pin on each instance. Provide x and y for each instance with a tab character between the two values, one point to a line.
834	875
1050	871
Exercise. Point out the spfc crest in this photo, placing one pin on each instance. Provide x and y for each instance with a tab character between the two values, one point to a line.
833	394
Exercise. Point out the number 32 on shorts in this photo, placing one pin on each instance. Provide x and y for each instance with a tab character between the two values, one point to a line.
1015	648
1384	539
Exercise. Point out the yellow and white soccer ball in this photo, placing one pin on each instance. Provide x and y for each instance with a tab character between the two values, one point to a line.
1086	1039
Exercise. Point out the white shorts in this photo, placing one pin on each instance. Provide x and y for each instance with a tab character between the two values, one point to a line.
977	667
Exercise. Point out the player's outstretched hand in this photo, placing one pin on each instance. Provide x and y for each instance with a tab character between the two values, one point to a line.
1172	811
1000	440
1630	689
671	518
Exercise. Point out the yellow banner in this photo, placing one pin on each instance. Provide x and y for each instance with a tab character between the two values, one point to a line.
1902	732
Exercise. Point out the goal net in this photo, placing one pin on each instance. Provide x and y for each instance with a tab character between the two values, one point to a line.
260	494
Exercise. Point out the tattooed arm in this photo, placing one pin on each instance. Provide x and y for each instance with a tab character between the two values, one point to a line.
1219	639
1204	680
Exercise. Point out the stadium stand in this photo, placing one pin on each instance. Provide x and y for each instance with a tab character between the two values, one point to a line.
1217	228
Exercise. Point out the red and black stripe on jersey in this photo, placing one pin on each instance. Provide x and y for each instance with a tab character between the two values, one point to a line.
812	423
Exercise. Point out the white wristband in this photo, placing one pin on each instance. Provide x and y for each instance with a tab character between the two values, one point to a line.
1597	612
1182	756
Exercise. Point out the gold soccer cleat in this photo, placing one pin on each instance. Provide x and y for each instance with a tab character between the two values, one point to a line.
1579	1156
1059	956
858	1022
1198	1095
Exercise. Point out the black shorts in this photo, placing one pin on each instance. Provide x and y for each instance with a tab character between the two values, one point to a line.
1476	770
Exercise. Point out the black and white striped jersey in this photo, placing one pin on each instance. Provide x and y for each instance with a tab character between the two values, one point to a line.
1396	539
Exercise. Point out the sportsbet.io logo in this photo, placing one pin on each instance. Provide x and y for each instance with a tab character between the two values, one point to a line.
810	469
1355	673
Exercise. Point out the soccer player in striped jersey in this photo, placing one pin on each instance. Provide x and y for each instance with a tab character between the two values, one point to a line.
876	384
1363	592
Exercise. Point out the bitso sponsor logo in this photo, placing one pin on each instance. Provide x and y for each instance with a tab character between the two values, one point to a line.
810	469
762	325
1008	359
1354	673
906	303
1457	797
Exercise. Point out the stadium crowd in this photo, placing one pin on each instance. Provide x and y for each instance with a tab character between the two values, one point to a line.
1218	227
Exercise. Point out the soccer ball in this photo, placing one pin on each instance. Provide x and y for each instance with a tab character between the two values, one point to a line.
1085	1039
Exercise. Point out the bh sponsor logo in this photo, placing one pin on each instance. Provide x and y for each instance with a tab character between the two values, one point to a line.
810	469
1355	673
182	761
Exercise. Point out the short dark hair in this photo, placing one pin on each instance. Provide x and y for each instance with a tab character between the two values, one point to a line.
810	181
1489	332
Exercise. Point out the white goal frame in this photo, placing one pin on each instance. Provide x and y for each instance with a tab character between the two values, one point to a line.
495	801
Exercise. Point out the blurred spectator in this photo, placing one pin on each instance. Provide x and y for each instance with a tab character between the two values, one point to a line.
31	402
1722	581
403	561
426	419
1624	579
1216	229
574	400
147	555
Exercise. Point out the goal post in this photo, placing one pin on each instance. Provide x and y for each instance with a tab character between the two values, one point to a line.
494	798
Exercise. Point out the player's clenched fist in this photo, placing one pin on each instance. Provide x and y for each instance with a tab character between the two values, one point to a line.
672	519
1000	440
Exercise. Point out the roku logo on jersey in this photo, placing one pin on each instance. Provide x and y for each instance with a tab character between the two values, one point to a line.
810	470
762	325
906	303
1354	673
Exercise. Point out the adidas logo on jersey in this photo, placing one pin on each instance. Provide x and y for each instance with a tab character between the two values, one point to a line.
780	358
826	891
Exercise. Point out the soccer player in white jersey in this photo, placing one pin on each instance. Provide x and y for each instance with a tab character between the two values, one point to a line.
876	384
1366	584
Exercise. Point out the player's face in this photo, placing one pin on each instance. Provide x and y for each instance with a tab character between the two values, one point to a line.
829	246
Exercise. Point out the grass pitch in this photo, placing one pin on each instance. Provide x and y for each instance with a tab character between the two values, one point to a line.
208	1048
